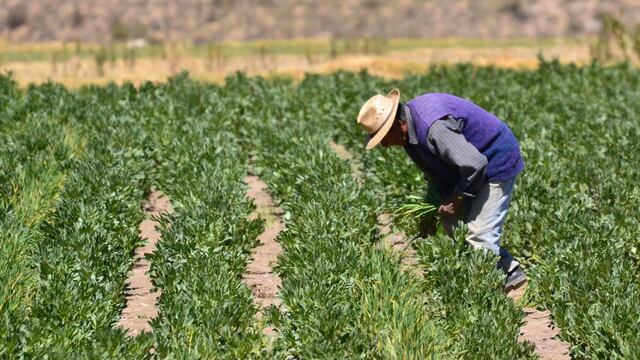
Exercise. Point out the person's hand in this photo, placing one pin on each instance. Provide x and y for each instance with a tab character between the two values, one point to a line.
449	207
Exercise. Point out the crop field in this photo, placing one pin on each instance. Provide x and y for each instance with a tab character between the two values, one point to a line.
77	165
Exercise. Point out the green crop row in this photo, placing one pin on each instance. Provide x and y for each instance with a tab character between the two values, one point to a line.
334	284
574	218
205	309
343	297
71	215
68	247
35	154
76	166
89	241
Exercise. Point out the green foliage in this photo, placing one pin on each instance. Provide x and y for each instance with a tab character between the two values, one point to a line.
84	254
468	299
33	160
205	309
343	297
418	213
76	166
573	220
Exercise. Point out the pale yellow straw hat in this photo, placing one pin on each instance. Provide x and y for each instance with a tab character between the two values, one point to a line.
377	116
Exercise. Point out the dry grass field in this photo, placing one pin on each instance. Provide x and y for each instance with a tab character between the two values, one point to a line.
79	64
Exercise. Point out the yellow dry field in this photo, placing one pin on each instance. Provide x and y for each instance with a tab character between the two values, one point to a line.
77	71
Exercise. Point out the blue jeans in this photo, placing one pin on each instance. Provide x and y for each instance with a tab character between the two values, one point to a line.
485	217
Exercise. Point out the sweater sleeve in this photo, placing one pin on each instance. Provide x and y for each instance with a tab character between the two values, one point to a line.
446	141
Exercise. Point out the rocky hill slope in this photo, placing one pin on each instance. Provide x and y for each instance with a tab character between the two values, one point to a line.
216	20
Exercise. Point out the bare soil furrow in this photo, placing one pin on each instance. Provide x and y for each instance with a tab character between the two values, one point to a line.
400	243
259	275
141	300
539	330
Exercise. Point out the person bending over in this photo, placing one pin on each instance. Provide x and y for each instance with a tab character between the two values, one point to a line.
470	155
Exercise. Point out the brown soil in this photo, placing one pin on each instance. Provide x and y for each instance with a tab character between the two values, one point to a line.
517	294
259	275
539	330
140	298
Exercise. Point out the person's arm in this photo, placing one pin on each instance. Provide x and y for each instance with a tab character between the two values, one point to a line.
446	141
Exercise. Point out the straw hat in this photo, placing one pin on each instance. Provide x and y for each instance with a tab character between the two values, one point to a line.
377	116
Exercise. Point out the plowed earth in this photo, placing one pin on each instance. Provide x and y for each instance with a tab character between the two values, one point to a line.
259	275
141	299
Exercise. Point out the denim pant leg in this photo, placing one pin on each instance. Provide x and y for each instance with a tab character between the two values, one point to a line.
487	213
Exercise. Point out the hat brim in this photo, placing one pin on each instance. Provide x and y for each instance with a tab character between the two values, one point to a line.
376	138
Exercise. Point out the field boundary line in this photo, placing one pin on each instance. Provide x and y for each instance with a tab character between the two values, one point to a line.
259	275
141	301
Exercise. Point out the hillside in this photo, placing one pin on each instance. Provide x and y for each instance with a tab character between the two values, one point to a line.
215	20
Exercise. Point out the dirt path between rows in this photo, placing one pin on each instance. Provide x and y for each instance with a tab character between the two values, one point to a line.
259	275
141	301
538	328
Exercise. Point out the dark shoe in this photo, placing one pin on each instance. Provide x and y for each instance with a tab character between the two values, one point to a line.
515	279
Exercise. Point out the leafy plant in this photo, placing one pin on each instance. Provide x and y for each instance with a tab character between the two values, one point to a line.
419	213
75	167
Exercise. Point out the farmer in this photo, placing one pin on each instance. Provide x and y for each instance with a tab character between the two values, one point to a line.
470	156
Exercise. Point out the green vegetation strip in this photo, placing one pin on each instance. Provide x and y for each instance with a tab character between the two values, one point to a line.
75	166
35	154
91	237
343	297
205	309
574	218
65	282
83	236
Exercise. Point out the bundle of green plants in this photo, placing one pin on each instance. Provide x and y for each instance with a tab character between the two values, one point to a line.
417	213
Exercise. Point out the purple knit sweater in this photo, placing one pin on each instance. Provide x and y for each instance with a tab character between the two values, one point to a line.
485	131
